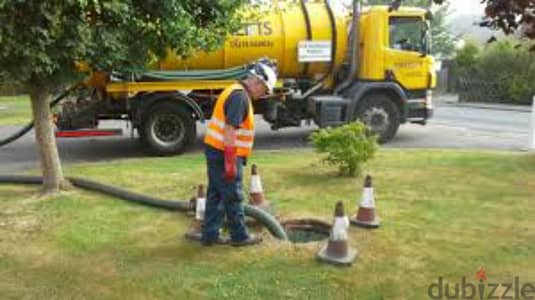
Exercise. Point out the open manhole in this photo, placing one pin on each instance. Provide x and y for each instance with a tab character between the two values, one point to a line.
306	230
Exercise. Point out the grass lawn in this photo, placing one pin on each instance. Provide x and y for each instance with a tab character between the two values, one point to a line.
445	213
17	110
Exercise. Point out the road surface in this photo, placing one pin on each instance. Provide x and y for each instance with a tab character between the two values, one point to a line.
453	126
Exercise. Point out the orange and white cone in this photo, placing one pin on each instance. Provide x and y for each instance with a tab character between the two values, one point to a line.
337	250
256	191
366	216
195	230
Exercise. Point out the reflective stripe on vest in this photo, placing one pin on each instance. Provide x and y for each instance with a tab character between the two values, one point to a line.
216	126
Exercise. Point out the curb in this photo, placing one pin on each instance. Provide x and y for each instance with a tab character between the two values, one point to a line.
519	108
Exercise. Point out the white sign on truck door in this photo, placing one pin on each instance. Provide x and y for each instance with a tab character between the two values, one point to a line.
314	51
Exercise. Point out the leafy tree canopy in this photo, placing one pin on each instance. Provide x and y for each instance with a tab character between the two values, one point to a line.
510	16
41	40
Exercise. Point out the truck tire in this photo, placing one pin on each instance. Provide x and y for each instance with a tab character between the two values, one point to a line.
167	129
380	114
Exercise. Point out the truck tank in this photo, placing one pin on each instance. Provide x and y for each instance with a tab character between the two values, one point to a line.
276	36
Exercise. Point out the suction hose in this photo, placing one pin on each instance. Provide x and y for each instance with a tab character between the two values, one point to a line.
274	227
334	40
24	130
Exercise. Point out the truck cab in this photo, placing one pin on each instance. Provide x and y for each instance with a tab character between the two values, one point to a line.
395	74
396	52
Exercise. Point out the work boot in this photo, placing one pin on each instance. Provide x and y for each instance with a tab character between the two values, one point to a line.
251	240
219	241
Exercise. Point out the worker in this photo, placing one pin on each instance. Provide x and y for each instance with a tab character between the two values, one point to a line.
229	141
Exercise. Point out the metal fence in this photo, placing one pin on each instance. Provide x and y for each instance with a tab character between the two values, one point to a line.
473	88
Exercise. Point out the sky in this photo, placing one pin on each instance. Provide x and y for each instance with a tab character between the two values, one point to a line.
461	7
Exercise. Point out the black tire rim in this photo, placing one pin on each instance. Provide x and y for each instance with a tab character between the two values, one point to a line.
167	129
376	118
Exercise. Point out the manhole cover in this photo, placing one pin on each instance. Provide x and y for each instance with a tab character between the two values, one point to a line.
306	230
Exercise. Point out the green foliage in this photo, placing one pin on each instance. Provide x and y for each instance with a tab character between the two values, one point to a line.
512	68
348	147
466	57
41	40
508	63
443	39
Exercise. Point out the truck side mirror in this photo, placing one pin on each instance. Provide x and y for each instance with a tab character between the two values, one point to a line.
429	15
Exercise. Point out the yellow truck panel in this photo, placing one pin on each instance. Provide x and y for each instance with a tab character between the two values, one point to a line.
275	36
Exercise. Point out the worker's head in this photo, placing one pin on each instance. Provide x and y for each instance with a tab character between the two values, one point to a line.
261	80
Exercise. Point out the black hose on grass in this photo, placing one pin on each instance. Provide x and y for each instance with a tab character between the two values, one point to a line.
274	227
129	196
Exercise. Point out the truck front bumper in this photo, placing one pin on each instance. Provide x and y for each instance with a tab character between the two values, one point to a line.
420	110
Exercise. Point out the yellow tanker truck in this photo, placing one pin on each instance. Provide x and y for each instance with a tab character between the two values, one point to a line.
335	67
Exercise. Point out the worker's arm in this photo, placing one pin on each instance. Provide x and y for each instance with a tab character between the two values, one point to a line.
229	142
235	110
229	135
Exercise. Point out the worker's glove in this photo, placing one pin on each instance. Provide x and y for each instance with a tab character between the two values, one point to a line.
230	163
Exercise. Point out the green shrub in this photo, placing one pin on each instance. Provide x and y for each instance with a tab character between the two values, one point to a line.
466	57
507	63
347	147
512	67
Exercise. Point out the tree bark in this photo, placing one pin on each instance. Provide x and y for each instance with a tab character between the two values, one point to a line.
53	179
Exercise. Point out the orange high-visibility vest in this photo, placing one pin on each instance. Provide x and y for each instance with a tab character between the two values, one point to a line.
216	125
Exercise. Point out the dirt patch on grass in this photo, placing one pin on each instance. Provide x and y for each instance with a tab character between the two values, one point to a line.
20	221
26	223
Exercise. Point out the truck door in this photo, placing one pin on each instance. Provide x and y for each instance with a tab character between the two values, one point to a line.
406	57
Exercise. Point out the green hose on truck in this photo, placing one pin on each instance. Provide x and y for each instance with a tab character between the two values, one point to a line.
264	218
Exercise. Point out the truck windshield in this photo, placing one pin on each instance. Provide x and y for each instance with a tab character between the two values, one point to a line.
409	34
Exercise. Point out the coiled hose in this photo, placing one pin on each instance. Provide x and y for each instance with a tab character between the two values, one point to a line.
234	73
273	226
24	130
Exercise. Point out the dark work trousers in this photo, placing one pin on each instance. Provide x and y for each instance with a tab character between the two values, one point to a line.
224	198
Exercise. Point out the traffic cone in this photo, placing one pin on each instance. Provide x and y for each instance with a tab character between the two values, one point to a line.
366	216
195	230
256	192
337	251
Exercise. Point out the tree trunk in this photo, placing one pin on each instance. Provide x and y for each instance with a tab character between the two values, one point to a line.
53	180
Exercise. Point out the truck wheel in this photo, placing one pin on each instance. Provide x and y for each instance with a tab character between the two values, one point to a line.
380	114
168	128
